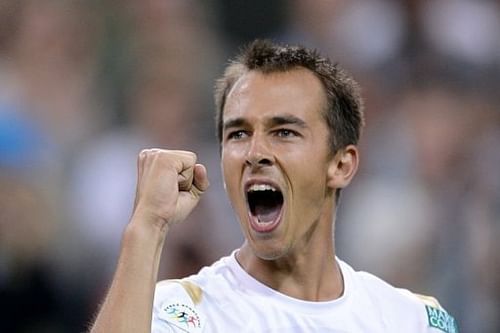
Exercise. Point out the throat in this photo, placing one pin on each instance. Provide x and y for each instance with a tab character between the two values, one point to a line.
313	284
313	281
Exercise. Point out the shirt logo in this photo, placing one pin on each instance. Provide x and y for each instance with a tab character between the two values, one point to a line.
441	319
183	315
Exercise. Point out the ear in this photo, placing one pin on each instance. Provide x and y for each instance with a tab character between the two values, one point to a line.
343	167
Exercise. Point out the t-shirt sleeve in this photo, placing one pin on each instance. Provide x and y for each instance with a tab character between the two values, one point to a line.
175	308
435	319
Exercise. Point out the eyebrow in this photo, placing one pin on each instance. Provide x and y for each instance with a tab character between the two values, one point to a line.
236	122
286	120
271	122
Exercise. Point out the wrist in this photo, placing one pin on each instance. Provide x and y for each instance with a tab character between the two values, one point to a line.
149	220
146	228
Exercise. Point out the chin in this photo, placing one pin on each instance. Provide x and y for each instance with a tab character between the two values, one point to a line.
270	250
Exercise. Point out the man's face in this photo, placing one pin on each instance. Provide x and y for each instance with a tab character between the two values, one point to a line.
275	159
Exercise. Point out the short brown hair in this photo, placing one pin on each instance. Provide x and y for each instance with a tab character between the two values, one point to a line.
344	112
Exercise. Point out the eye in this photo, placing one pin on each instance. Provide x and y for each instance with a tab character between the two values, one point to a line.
286	133
237	135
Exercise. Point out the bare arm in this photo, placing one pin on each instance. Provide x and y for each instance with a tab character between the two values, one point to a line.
169	186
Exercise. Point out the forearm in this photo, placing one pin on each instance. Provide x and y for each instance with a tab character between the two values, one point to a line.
169	185
128	305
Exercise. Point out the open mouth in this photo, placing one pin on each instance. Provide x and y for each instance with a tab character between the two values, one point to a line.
265	204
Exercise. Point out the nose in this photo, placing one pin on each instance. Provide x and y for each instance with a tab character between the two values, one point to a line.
258	154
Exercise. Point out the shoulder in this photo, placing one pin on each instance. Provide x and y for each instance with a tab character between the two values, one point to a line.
178	289
175	307
180	305
190	288
402	309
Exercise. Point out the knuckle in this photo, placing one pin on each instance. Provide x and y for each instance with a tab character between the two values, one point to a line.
185	157
147	152
193	157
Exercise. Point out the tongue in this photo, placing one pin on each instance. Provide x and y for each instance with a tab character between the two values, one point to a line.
266	214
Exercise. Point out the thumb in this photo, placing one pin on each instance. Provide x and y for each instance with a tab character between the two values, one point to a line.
200	178
188	199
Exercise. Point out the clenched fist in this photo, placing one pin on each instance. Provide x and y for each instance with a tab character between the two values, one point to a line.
169	185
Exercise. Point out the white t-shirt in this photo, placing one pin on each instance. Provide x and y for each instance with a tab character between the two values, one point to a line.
225	298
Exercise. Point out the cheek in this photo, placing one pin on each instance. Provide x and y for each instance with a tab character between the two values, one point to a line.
232	159
227	167
309	184
230	175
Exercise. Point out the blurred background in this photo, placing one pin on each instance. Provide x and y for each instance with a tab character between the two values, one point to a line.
84	85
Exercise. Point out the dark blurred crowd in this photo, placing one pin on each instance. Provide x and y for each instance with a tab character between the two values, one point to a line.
85	84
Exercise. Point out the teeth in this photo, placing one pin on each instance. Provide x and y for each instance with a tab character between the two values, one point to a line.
261	187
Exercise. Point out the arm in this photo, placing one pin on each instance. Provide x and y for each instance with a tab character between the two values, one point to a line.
169	186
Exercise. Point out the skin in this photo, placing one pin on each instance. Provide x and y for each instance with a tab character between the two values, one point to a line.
274	132
169	185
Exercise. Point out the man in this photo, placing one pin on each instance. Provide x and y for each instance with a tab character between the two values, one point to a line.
288	122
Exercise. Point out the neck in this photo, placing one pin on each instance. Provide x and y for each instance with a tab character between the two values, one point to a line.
308	271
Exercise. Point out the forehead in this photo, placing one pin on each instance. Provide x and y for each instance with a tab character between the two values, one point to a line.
298	92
